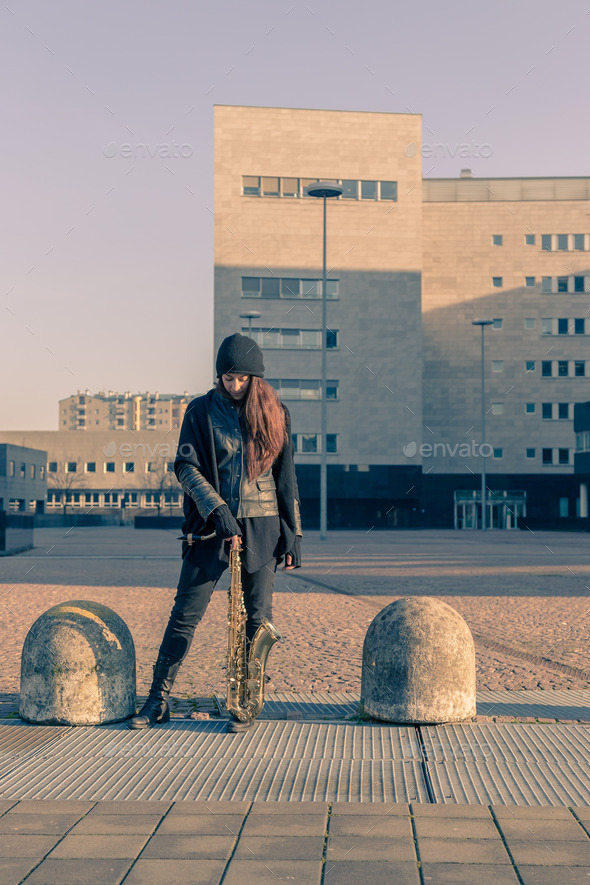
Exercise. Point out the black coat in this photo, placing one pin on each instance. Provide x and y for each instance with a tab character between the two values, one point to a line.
196	446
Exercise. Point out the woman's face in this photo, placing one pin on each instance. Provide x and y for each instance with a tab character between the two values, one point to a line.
236	385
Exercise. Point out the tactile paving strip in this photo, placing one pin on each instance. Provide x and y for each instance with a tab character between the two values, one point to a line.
540	703
508	764
186	760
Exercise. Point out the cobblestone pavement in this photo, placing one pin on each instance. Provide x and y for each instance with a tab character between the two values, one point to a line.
527	593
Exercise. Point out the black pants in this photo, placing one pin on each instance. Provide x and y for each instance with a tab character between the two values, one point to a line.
192	598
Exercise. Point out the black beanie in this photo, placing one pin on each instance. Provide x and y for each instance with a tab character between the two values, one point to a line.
239	355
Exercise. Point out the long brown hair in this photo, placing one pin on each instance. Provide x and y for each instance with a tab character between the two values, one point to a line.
266	425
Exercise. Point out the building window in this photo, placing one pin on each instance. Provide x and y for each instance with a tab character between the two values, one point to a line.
529	239
562	242
12	468
331	443
304	388
562	371
546	326
42	471
368	190
129	467
546	368
498	453
579	326
71	467
497	282
562	326
497	365
547	411
497	324
388	190
579	368
578	284
90	467
273	287
496	239
563	410
309	443
564	456
579	242
529	366
529	282
564	505
546	242
270	186
332	338
350	189
51	467
497	408
109	467
529	408
251	185
32	471
546	285
562	284
289	187
531	453
529	323
547	456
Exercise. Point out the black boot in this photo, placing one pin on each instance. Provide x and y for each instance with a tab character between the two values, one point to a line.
237	726
155	711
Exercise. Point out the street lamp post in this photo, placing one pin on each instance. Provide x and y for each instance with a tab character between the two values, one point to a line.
324	190
250	315
483	324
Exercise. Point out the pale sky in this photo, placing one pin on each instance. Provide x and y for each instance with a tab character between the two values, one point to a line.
107	258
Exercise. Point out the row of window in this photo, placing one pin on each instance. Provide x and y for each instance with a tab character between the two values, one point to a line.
275	287
548	456
303	388
552	285
552	368
301	339
169	498
583	441
35	471
551	325
108	466
294	188
553	242
560	411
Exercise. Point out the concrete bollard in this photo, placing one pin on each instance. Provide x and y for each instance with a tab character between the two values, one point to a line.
77	667
418	664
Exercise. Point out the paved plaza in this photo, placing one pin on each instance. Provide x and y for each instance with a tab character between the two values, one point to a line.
313	793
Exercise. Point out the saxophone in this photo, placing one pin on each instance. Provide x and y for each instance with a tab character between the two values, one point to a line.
245	667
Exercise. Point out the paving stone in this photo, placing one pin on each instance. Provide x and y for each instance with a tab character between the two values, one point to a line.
118	824
70	871
222	806
459	811
202	824
13	869
465	851
466	874
532	812
154	871
292	825
551	853
342	872
289	808
272	848
131	806
25	845
51	806
384	808
40	824
582	813
455	828
258	872
370	825
189	847
378	848
520	830
5	804
555	875
99	846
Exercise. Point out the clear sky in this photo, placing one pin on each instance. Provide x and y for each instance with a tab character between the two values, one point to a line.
107	153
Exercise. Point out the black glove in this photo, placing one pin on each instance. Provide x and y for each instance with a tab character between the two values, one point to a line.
225	524
295	552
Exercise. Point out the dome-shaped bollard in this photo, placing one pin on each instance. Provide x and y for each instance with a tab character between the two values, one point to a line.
418	664
77	667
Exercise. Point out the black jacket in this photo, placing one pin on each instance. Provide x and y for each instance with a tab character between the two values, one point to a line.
196	447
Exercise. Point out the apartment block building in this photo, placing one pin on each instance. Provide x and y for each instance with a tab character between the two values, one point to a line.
122	411
412	262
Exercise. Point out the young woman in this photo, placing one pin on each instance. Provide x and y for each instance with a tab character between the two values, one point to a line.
235	464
